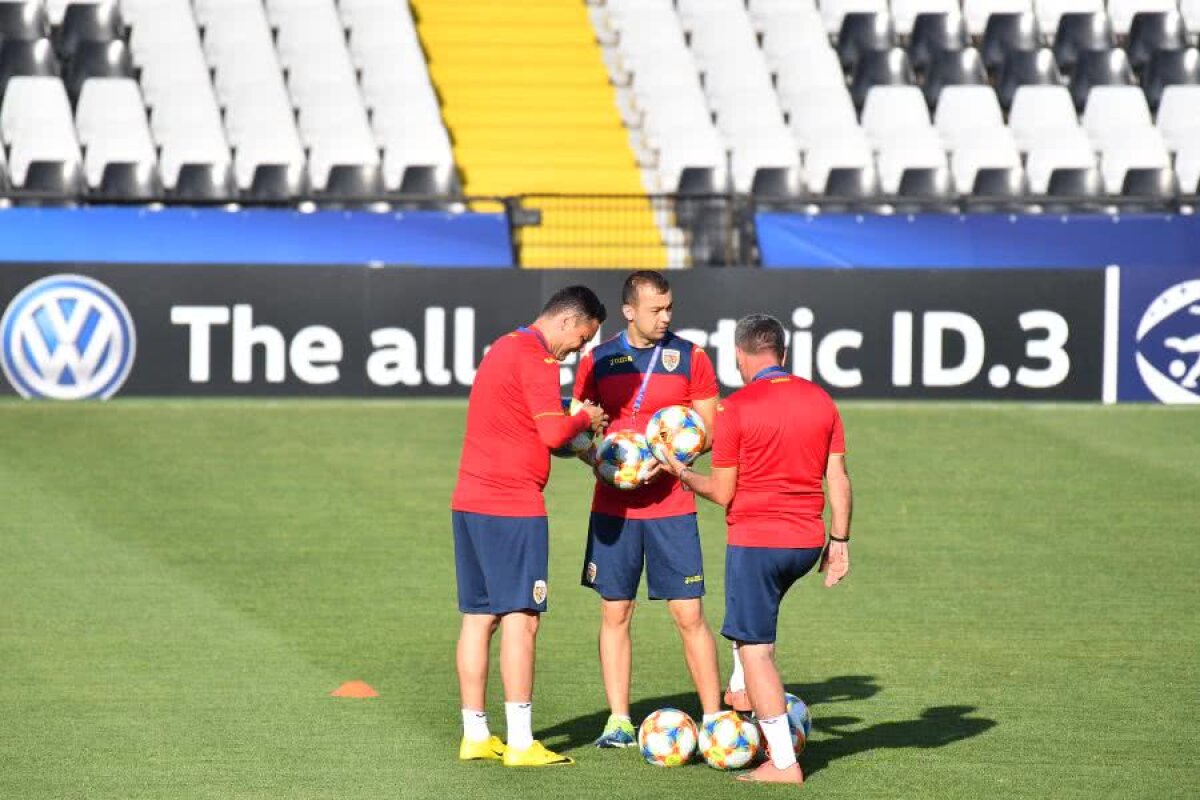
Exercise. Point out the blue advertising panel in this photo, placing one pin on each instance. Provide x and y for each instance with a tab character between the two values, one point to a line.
945	241
1158	334
129	235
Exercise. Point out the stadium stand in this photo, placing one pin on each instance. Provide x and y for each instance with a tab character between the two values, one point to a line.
635	121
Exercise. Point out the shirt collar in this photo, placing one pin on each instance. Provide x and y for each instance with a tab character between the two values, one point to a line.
774	370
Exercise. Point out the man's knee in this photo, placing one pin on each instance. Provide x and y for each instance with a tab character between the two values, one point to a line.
688	615
616	613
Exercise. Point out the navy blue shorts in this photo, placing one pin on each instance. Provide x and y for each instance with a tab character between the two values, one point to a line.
500	563
669	547
756	579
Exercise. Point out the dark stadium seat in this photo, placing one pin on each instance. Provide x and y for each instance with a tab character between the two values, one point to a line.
953	68
854	183
97	60
55	178
276	183
23	22
777	183
1026	68
1099	68
999	189
1078	33
353	183
26	58
87	22
699	181
863	32
1170	68
128	181
1152	183
204	182
1154	32
933	34
926	183
880	68
1008	33
1075	182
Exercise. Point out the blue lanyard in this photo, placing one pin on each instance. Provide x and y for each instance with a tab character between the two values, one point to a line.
538	334
767	372
641	395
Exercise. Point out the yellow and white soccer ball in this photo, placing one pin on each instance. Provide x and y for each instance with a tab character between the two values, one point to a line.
667	738
624	459
581	441
727	741
676	429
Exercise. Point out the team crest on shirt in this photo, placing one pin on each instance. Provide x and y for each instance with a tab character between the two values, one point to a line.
591	572
539	592
670	360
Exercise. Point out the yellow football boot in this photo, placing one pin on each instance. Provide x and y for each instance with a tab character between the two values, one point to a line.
489	749
536	755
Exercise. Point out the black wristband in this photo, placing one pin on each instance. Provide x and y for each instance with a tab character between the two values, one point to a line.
833	538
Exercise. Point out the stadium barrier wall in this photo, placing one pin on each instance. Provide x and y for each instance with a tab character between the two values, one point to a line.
789	240
178	235
85	331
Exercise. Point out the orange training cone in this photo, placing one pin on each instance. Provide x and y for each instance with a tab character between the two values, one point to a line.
354	689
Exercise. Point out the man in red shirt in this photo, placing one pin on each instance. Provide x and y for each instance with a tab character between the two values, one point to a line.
775	440
515	418
632	375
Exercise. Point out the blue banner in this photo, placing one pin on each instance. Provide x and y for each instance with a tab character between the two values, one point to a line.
1158	334
140	235
791	240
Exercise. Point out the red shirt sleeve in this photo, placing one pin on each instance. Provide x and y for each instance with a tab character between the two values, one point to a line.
837	437
540	385
703	384
727	435
585	379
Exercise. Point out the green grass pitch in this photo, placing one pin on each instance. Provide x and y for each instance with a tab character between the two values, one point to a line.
182	584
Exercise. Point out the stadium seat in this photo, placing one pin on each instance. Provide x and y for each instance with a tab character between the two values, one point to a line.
1080	32
1040	113
1170	68
205	182
795	33
26	58
1157	183
352	182
834	11
1190	10
1179	116
1187	167
1112	111
801	71
933	34
880	68
979	13
1152	32
891	113
905	13
999	184
1135	148
954	68
777	183
1049	11
915	151
925	184
820	112
125	180
1099	68
87	22
965	111
94	59
862	32
57	178
1075	184
1067	149
849	150
988	149
34	105
1026	68
1123	12
1008	33
854	183
25	21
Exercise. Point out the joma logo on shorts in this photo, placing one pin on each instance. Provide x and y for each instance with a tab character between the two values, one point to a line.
620	359
692	579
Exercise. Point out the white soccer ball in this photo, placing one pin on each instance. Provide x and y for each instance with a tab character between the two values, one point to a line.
667	738
679	430
727	741
581	441
624	459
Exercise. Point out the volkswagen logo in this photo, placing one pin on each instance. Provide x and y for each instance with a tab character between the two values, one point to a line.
67	337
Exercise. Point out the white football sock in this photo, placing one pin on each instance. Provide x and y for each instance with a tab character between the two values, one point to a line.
710	717
737	681
520	724
779	740
475	725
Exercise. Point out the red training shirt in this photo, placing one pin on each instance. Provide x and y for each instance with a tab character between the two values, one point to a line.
514	419
779	432
610	376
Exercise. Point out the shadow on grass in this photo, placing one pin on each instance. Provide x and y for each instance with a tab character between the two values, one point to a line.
936	726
